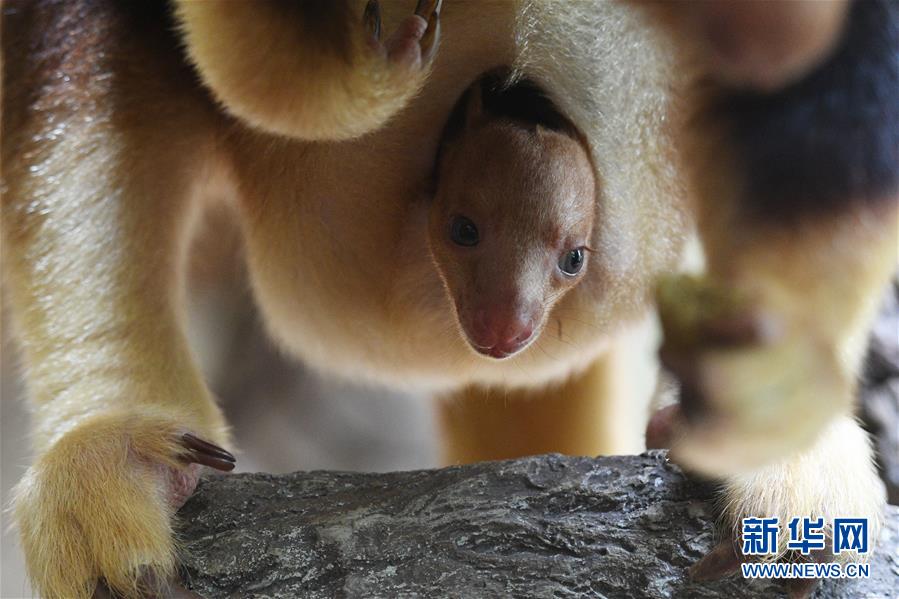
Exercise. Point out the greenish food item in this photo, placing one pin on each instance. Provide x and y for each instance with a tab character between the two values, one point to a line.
695	310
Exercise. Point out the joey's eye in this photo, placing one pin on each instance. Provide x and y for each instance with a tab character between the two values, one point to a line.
464	232
572	261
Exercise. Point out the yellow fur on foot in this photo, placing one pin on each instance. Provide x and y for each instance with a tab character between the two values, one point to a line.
96	505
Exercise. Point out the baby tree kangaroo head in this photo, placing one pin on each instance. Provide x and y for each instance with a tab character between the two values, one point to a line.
512	214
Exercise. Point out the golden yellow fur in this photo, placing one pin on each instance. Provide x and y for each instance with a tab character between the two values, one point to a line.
305	71
110	147
94	504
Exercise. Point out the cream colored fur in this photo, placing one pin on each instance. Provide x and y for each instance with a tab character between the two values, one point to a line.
639	219
103	176
835	478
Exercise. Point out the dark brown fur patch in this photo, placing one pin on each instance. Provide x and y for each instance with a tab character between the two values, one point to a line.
831	139
62	56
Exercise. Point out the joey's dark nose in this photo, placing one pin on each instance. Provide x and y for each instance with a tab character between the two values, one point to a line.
500	333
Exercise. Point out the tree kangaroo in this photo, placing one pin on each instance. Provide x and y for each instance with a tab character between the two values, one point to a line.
513	253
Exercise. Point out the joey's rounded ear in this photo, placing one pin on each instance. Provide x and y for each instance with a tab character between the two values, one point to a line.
467	112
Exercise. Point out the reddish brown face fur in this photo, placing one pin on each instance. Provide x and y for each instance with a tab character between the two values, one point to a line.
513	211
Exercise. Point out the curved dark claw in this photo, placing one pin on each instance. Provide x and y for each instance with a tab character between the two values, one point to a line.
426	8
699	319
737	330
693	403
413	44
721	561
371	17
747	328
661	428
203	452
801	588
429	10
724	560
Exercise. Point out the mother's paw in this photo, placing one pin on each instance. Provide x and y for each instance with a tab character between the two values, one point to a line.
98	504
755	386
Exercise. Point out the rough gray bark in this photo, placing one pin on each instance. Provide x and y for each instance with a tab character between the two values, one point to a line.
547	526
880	391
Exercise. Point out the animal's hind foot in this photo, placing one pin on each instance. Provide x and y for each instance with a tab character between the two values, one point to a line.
414	43
835	478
